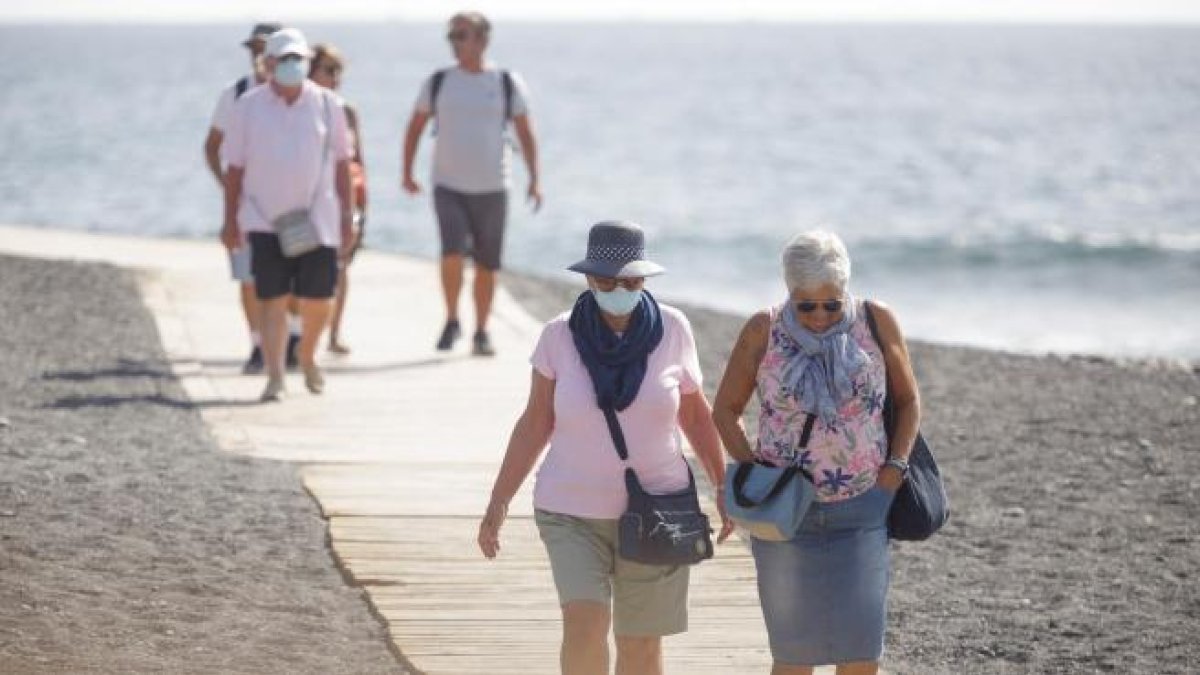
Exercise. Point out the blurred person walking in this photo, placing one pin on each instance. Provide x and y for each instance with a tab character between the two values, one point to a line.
472	104
326	69
239	257
288	189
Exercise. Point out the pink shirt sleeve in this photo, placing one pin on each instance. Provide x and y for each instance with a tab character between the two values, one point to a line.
546	352
342	148
234	144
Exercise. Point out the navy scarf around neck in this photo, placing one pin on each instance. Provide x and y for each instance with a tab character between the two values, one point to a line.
617	364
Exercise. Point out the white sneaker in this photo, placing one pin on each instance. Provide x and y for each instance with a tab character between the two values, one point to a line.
314	380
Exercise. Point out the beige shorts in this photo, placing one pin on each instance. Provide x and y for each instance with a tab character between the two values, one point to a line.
646	600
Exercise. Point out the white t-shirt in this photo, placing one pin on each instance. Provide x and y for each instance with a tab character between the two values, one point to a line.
471	152
280	146
582	475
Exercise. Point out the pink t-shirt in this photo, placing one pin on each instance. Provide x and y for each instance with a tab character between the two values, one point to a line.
582	475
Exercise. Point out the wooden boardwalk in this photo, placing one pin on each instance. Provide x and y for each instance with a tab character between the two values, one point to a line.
400	453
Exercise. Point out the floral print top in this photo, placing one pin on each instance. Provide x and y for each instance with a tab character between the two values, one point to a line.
844	457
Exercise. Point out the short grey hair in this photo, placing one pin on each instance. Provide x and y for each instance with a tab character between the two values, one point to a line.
814	258
478	22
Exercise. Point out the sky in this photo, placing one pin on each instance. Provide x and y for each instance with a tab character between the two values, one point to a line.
612	10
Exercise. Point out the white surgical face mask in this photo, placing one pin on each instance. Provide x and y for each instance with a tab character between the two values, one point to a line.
618	301
291	72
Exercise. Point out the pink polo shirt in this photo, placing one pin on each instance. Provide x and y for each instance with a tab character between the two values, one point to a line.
280	146
582	474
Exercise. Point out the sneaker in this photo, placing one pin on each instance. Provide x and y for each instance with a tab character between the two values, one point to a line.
339	348
254	364
293	361
450	334
482	344
314	380
274	392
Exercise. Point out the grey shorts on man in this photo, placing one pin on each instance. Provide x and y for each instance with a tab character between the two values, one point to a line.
472	224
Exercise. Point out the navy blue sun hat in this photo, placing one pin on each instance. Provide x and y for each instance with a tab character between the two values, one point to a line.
617	250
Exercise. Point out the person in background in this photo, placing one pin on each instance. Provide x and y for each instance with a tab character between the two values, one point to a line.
288	148
472	104
617	344
326	69
239	257
824	592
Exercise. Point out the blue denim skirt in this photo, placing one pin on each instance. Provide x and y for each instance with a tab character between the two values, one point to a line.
824	593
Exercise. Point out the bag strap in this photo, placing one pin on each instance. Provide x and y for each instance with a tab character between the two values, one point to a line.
742	474
507	82
240	88
889	424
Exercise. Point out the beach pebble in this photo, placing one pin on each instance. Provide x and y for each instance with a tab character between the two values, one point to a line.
1013	512
4	423
8	514
77	478
77	440
1187	400
1145	444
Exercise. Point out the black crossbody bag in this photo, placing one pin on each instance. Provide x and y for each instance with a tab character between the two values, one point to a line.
667	529
921	506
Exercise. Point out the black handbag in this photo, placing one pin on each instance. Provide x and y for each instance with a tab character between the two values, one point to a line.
921	506
659	529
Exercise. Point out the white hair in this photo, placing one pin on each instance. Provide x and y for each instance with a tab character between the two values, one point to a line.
815	258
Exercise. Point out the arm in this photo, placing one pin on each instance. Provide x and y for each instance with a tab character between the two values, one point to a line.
230	236
412	139
737	386
529	151
695	419
529	437
906	400
345	197
352	122
212	152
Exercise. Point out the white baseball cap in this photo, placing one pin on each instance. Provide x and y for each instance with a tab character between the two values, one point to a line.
287	41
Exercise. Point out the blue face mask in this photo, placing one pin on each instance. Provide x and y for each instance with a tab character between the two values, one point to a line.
291	72
618	301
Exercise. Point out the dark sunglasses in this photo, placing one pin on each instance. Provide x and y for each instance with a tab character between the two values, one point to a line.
810	306
457	35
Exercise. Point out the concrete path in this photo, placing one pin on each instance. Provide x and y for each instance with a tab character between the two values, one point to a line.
400	453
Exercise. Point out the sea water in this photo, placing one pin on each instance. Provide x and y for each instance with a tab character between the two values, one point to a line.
1033	188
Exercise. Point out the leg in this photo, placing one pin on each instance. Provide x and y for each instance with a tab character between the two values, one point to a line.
314	315
639	655
781	669
250	308
585	638
485	290
274	336
339	308
452	281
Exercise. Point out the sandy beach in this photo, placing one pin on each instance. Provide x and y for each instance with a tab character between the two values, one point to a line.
130	543
1075	489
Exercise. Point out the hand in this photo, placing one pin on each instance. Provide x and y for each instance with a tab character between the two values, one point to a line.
889	479
489	529
727	526
534	196
230	237
411	186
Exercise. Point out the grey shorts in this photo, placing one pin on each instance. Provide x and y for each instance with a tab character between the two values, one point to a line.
646	600
239	265
472	224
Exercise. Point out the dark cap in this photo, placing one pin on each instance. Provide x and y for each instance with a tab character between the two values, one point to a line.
261	31
615	250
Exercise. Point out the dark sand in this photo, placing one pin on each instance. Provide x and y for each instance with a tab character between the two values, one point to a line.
1073	546
128	542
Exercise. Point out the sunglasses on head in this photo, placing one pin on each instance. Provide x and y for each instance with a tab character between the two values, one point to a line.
810	306
457	35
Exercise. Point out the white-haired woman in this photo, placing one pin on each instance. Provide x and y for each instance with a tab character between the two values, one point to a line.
824	592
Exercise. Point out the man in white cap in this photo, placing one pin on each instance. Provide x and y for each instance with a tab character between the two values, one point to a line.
288	189
239	258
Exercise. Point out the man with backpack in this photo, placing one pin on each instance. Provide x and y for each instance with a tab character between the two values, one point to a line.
472	105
